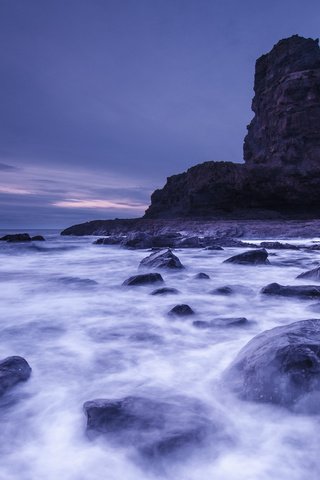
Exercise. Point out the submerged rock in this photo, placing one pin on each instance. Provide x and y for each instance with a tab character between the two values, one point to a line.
280	366
155	428
162	259
302	291
38	238
12	371
251	257
202	276
182	310
165	291
221	322
143	279
313	274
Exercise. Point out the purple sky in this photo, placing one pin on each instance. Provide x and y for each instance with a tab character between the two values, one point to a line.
101	100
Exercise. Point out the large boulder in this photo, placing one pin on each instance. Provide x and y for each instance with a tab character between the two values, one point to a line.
160	259
280	366
300	291
16	238
144	279
251	257
313	274
156	428
12	371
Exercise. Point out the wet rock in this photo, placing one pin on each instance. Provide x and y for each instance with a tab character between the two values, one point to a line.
143	279
38	238
231	290
77	282
280	366
155	428
12	371
162	259
301	291
214	247
313	274
190	242
221	322
137	240
182	310
279	246
202	276
251	257
112	240
165	291
17	237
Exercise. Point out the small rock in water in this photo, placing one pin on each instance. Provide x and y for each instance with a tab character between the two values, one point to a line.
162	260
143	279
202	276
231	290
38	238
17	237
280	366
251	257
279	246
165	291
182	310
313	274
12	371
301	291
220	322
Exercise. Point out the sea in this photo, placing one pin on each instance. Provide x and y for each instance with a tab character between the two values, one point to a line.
86	336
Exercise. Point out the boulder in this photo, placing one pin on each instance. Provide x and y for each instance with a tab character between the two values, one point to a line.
231	290
280	366
251	257
17	237
182	310
165	291
12	371
160	259
221	322
144	279
112	240
301	291
38	238
155	428
313	274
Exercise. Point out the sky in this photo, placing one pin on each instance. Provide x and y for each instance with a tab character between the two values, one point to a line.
101	100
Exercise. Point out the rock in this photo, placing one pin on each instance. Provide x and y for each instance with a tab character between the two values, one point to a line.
112	240
221	322
162	260
17	237
231	290
137	240
279	246
301	291
313	274
251	257
182	310
38	238
280	366
190	242
144	279
155	428
202	276
12	371
214	247
165	291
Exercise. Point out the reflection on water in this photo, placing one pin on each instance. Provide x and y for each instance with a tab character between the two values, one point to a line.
86	337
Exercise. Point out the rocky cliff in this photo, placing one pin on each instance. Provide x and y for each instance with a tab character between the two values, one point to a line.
281	173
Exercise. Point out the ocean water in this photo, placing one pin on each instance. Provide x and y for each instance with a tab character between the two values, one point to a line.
86	337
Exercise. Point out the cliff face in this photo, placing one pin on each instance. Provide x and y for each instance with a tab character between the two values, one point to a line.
281	174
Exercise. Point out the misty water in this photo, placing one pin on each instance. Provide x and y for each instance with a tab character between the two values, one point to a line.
86	337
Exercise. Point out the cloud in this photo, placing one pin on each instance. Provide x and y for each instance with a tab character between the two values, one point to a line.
4	167
98	204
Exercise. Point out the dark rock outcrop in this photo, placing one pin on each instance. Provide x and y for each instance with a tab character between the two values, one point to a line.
16	237
160	259
182	310
252	257
313	274
143	279
12	371
300	291
278	246
155	428
38	238
280	366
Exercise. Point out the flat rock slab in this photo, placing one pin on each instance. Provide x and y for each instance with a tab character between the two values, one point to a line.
251	257
12	371
280	366
143	279
300	291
